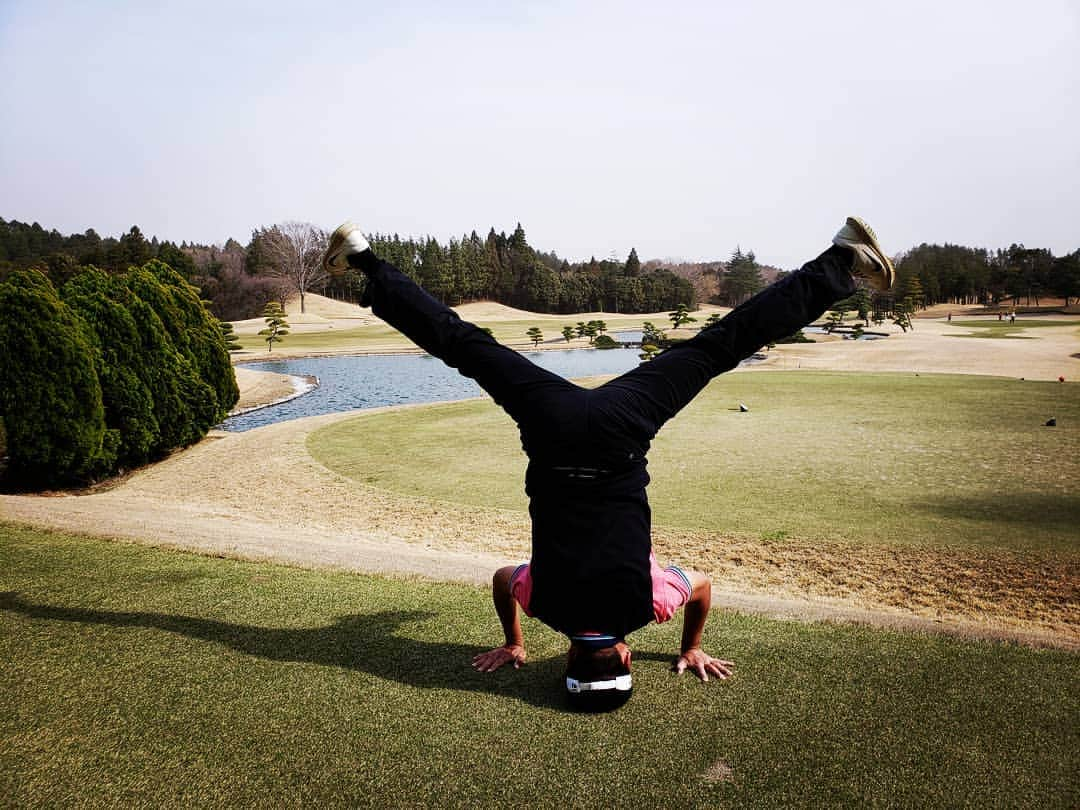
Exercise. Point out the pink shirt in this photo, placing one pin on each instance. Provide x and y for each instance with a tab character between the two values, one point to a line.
670	589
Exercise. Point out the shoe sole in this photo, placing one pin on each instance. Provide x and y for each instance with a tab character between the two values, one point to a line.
337	241
867	235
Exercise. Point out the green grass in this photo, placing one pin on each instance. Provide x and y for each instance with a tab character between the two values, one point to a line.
138	677
331	339
380	335
1003	330
868	458
1021	323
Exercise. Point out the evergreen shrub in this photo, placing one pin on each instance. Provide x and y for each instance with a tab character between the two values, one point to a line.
50	396
111	372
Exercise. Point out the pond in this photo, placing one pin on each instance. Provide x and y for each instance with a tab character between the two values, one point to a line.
372	381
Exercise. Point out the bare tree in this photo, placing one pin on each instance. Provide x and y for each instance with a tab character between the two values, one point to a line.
294	252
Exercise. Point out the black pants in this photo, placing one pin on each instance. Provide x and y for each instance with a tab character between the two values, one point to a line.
563	423
586	478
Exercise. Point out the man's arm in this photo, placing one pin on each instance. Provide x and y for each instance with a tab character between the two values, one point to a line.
691	656
506	607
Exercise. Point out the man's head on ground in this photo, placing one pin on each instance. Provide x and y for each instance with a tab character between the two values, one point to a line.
597	673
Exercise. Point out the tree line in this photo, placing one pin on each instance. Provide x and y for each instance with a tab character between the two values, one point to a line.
506	269
106	372
239	280
1017	275
926	275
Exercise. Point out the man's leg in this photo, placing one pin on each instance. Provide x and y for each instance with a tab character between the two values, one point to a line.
641	400
513	381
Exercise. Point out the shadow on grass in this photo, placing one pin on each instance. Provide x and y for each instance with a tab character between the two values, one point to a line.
366	643
1051	512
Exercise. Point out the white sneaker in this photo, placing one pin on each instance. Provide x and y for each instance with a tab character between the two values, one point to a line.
346	241
871	262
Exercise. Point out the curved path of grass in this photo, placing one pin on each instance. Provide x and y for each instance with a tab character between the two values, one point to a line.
869	459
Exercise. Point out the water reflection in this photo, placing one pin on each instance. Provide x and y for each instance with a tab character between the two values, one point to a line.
346	383
372	381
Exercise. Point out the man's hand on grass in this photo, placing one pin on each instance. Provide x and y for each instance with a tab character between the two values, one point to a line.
702	664
493	659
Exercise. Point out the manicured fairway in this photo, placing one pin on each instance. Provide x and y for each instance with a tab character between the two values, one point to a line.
137	677
382	336
1003	329
878	459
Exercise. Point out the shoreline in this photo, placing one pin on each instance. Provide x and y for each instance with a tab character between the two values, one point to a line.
390	351
302	384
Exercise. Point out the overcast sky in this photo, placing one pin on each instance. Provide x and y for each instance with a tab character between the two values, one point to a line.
599	126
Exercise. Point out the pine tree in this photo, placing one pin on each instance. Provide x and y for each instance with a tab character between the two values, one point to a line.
134	248
1067	276
632	268
520	255
435	270
538	288
535	335
680	316
500	284
276	325
911	290
228	334
742	277
631	294
860	302
650	334
902	314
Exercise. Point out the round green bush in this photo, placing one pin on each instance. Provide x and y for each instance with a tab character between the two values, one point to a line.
50	397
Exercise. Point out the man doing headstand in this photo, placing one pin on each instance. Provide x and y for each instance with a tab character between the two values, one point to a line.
592	575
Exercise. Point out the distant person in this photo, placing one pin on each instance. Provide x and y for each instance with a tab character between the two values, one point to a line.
1012	317
592	575
948	318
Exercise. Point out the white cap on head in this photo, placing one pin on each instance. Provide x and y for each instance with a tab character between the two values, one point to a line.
621	683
